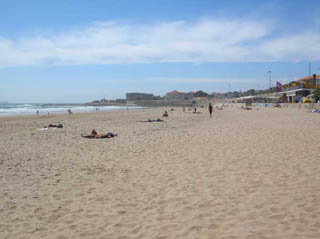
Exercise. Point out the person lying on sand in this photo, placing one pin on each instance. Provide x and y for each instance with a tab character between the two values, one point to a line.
277	105
165	114
51	126
55	126
150	120
95	135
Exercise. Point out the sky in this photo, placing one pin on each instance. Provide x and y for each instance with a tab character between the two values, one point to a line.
79	51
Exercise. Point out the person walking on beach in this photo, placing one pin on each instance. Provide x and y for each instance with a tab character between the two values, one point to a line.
210	109
37	112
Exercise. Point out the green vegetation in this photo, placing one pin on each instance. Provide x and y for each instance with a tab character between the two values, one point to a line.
316	94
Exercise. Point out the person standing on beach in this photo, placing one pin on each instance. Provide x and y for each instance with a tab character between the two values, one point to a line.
210	109
37	112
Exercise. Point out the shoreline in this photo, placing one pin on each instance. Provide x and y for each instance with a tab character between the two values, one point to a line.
65	112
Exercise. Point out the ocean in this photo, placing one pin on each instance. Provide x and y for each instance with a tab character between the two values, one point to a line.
31	109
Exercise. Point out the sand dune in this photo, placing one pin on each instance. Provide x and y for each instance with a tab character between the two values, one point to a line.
240	174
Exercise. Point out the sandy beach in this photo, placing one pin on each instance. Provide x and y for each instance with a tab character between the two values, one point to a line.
240	174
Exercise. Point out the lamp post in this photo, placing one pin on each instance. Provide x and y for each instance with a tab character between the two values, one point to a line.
317	80
310	70
269	72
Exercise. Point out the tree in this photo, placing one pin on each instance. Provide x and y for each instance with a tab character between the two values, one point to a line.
200	93
316	94
251	92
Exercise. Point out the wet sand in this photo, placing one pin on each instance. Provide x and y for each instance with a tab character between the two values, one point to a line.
240	174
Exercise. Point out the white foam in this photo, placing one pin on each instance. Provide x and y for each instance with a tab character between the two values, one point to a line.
29	109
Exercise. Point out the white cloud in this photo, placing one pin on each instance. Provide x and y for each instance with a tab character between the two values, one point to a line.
305	46
122	43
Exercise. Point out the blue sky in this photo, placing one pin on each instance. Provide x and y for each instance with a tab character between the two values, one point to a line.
79	51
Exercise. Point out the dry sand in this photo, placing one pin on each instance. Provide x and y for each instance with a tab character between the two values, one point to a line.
240	174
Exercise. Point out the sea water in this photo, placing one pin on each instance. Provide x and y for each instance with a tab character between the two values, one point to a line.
29	109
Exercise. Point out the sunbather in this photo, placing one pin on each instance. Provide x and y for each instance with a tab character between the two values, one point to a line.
95	135
165	114
55	126
150	120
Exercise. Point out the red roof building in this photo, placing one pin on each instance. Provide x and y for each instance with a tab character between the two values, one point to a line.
176	95
308	78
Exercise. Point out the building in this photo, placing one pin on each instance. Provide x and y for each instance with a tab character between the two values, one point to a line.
200	93
312	81
175	95
139	96
296	90
189	95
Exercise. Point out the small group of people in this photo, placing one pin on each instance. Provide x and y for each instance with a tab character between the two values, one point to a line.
69	112
37	112
95	135
210	109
